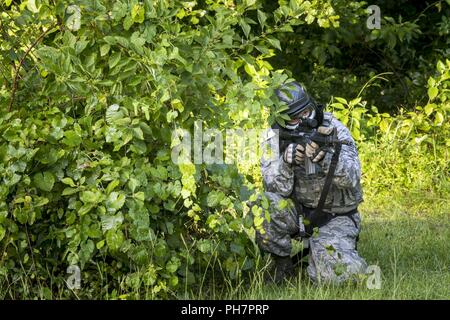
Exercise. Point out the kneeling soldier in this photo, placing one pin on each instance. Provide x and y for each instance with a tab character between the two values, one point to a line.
318	173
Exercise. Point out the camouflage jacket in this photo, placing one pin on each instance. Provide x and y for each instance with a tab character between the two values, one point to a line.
292	181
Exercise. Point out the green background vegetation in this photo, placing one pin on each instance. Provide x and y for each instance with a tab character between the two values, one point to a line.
90	95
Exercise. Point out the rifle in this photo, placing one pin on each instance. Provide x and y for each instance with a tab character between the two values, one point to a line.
307	132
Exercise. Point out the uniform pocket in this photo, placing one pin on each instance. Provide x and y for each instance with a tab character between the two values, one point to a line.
308	191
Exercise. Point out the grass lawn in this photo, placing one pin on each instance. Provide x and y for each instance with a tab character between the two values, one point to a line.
411	247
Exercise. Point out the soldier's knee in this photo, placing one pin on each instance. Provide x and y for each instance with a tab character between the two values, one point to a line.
344	271
272	196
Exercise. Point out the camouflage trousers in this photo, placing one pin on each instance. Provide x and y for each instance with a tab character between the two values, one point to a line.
332	256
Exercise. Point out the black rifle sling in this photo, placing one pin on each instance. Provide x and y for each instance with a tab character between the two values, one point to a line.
320	218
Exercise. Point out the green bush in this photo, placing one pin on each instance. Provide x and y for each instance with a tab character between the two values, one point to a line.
96	90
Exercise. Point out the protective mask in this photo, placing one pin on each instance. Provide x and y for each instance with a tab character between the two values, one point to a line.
311	115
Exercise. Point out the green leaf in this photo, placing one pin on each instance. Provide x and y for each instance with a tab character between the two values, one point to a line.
114	239
114	59
71	138
140	196
68	181
104	49
274	42
111	186
2	232
384	125
181	14
237	248
173	281
100	244
286	28
85	209
262	18
172	114
433	92
133	184
137	13
80	46
69	191
439	119
110	40
31	5
111	222
90	196
137	133
137	42
245	27
127	23
177	104
249	3
119	10
250	69
337	105
154	209
86	250
354	102
159	172
341	100
173	264
115	201
429	108
204	245
44	180
113	113
214	198
41	202
265	202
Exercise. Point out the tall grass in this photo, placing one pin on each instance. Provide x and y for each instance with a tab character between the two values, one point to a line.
410	249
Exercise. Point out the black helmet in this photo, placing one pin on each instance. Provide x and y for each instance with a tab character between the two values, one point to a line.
298	100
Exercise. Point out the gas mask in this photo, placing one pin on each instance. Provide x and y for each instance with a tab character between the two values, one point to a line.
306	116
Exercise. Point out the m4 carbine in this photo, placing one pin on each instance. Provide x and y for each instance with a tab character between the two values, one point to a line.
306	133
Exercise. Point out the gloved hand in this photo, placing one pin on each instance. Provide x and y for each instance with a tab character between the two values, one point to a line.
294	153
313	150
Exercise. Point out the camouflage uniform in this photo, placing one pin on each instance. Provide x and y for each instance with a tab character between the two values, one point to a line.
333	256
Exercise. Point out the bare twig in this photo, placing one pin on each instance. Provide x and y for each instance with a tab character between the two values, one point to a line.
22	60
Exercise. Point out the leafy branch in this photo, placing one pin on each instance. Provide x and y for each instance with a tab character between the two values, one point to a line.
21	62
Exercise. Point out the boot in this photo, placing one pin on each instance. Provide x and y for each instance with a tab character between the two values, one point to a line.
283	269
